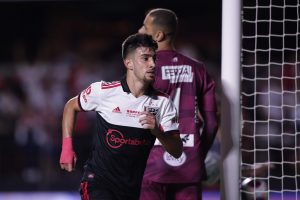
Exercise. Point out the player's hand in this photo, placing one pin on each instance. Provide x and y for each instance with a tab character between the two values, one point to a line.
68	161
68	157
147	120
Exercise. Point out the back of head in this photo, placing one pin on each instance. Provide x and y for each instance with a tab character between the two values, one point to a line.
134	41
165	19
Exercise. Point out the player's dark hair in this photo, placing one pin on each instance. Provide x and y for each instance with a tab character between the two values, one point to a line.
166	19
134	41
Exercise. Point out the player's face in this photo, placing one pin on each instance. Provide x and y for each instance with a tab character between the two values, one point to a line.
143	64
148	27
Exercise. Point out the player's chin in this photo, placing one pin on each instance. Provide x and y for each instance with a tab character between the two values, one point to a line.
150	77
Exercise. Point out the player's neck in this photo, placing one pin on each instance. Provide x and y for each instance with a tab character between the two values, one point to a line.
163	46
136	87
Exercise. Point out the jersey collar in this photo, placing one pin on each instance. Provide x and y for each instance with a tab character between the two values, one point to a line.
126	87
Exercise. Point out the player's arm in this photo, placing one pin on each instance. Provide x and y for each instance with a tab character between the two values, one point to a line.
206	97
209	130
171	142
68	156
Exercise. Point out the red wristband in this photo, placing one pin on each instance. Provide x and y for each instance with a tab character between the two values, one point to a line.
67	153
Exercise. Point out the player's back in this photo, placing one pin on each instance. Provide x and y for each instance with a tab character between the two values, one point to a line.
189	85
185	80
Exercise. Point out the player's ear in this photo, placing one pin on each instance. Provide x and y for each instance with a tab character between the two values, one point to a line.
159	36
128	63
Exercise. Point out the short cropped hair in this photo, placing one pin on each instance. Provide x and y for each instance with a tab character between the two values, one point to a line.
134	41
165	19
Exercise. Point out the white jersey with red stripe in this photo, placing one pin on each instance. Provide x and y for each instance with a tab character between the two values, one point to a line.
122	145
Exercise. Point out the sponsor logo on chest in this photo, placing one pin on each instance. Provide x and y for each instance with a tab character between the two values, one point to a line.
116	139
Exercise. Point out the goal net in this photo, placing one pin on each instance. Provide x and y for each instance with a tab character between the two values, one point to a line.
270	99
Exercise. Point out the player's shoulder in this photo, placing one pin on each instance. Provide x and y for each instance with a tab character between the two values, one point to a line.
193	61
101	86
159	95
109	84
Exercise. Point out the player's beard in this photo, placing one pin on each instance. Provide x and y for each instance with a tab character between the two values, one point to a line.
149	78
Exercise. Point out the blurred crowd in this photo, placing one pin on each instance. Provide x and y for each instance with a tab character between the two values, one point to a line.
39	78
33	91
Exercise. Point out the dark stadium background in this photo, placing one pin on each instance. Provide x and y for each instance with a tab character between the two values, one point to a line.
50	51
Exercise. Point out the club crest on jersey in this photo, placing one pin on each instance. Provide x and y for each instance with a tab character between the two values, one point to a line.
150	109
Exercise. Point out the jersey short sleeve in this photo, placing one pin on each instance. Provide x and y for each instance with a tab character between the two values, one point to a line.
90	98
169	117
206	85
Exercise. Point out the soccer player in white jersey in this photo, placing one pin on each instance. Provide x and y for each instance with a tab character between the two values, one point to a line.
130	116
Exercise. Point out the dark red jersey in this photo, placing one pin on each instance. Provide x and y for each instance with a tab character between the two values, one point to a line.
191	88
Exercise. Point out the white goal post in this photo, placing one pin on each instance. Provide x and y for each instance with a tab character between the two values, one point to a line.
230	113
260	125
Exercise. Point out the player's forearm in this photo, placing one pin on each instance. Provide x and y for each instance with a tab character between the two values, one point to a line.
68	157
171	143
209	131
69	117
